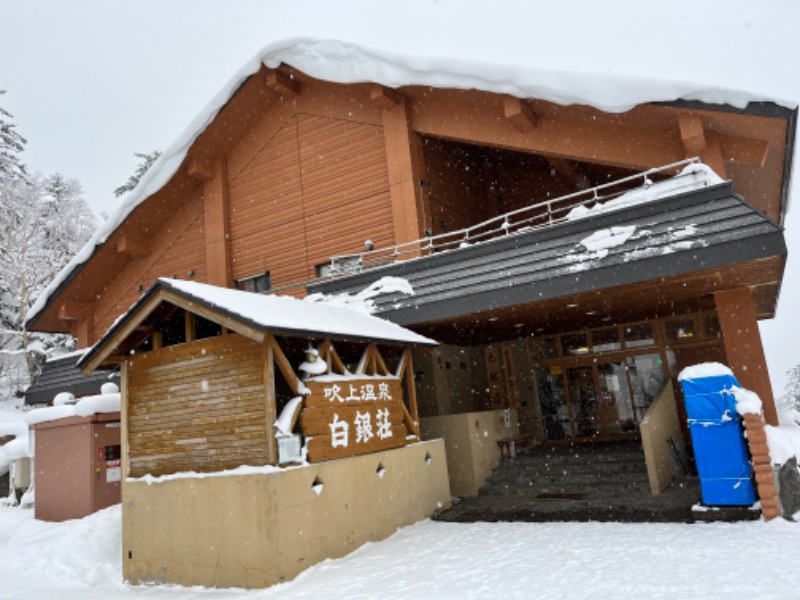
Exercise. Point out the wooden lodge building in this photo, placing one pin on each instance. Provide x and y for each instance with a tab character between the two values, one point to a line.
569	261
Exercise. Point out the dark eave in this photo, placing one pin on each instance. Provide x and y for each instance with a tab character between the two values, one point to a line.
63	375
687	233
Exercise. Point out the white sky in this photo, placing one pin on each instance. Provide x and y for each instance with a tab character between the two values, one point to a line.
90	82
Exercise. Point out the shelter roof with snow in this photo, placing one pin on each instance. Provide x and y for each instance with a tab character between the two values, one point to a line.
252	315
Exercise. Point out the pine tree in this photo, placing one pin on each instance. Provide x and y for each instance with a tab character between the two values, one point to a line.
141	169
11	146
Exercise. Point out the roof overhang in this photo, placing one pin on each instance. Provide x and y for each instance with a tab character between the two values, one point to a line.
105	351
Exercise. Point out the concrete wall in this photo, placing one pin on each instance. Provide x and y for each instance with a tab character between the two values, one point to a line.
471	443
660	426
256	530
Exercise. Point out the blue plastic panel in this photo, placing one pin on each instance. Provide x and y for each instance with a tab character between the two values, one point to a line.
727	492
719	450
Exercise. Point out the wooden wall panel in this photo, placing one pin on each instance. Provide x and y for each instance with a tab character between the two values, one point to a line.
176	256
198	406
319	187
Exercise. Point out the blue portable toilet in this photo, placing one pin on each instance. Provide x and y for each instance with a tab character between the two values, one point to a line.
721	455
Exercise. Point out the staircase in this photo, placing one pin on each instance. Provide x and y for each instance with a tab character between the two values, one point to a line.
581	482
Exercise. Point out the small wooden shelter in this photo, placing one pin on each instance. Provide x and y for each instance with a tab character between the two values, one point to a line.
200	391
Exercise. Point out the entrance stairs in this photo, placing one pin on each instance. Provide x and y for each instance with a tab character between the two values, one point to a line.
583	482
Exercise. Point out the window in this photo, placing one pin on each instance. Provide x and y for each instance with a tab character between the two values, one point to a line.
343	266
259	284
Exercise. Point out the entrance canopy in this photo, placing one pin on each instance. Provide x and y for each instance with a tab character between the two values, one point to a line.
252	315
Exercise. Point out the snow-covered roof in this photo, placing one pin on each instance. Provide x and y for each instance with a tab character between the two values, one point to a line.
342	62
282	315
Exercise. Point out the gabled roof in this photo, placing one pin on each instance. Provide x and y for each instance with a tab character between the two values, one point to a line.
346	63
255	316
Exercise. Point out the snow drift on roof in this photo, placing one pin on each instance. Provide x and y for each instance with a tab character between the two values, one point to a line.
283	313
342	62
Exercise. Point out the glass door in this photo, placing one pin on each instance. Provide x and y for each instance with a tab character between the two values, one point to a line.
583	401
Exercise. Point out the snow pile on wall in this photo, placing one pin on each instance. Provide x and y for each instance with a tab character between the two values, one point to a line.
692	177
363	301
16	448
85	407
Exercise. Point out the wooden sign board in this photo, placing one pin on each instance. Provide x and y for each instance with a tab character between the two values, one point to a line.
346	417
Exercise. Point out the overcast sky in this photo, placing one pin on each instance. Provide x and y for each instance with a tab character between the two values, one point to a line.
90	82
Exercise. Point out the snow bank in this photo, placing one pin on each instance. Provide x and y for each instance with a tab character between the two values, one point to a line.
238	471
747	402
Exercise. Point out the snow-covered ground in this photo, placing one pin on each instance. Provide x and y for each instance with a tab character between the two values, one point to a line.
82	558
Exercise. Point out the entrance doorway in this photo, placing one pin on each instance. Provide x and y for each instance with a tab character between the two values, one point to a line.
600	400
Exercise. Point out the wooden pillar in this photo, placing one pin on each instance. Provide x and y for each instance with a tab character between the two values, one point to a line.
403	158
742	339
123	414
213	172
270	401
83	332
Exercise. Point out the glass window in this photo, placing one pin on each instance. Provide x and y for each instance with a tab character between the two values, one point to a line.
544	347
639	334
680	330
258	284
647	376
711	328
574	344
343	266
605	340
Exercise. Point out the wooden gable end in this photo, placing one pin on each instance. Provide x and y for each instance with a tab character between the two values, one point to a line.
318	187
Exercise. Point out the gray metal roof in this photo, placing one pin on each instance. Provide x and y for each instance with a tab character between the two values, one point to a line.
707	228
63	375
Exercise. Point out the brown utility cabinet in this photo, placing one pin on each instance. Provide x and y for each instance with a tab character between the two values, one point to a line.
77	463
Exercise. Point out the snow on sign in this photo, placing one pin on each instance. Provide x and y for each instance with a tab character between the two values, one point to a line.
348	416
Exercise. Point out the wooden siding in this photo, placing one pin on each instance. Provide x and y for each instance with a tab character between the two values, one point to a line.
198	406
317	188
180	248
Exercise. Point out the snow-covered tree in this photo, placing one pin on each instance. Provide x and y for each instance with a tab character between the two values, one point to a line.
11	146
791	394
141	169
44	221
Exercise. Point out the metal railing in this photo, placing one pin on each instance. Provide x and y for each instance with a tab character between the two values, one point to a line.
529	218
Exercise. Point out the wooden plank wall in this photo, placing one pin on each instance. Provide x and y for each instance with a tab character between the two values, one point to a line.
317	188
198	406
175	251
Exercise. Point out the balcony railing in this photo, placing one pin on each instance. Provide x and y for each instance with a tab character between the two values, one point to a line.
535	216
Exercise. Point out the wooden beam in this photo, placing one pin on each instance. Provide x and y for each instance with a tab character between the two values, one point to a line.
712	155
211	315
74	311
201	167
569	173
191	326
385	98
692	134
745	151
283	84
123	414
133	246
285	367
519	113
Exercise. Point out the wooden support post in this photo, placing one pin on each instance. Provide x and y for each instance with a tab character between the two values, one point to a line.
743	349
217	226
282	84
191	328
123	414
404	162
701	143
270	400
284	366
407	368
